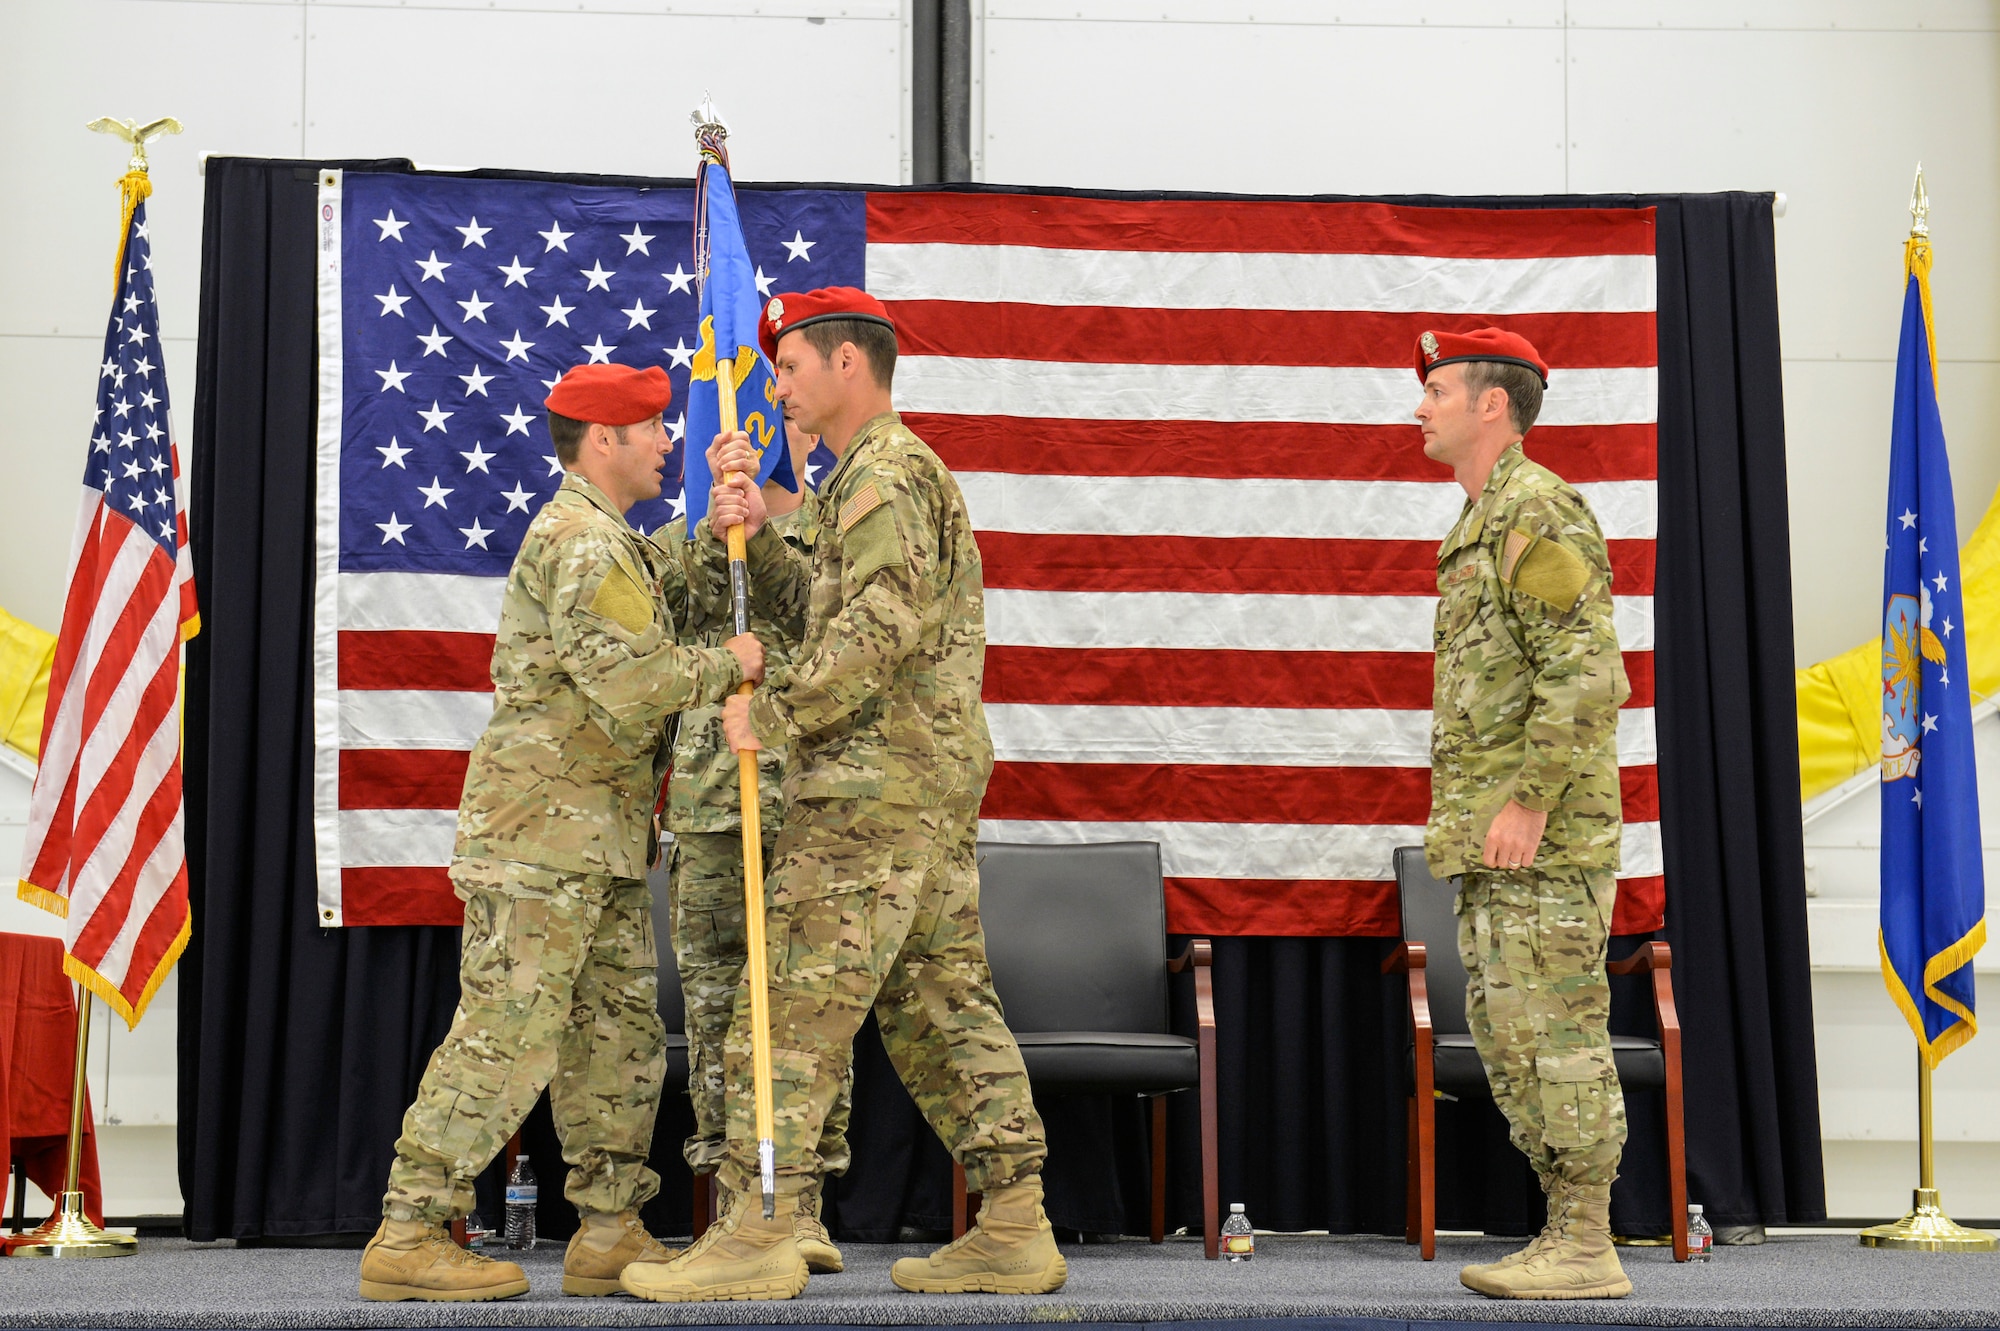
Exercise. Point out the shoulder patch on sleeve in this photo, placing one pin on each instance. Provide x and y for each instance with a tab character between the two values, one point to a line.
622	601
1511	550
1548	571
865	501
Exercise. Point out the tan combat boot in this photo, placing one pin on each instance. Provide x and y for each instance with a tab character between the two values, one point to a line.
603	1246
411	1259
1011	1250
743	1256
1558	1192
815	1244
1580	1264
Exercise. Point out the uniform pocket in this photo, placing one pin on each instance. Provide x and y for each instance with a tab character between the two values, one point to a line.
1577	1097
829	945
1572	926
813	862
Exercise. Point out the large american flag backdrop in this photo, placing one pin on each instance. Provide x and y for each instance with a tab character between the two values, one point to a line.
1183	431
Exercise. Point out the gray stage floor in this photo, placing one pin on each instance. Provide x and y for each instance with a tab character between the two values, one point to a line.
1791	1281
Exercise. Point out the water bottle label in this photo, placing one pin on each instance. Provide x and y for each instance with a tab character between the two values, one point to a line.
520	1194
1245	1244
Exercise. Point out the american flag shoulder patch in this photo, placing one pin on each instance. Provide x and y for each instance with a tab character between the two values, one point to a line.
865	501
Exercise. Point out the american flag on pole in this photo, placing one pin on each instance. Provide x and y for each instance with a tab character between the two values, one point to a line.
1183	431
104	840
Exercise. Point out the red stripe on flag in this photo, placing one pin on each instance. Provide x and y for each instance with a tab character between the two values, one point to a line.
1286	450
159	934
1639	793
1345	907
114	797
1289	907
1096	334
410	894
1221	793
402	778
127	622
1642	905
402	659
1242	565
1163	677
1207	793
1255	226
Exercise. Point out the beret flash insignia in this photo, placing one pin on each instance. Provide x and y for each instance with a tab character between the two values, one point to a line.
1428	342
776	309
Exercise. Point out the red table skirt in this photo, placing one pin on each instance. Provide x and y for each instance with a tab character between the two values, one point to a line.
37	1065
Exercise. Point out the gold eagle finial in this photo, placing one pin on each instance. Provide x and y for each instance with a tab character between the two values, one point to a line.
136	134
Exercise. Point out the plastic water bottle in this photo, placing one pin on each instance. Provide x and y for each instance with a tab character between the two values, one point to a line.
477	1231
1239	1241
1700	1237
521	1198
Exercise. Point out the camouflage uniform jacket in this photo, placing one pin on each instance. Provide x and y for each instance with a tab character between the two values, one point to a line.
882	701
702	793
586	667
1529	677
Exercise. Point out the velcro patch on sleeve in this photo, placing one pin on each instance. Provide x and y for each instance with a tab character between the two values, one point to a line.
622	601
1516	545
1553	573
865	501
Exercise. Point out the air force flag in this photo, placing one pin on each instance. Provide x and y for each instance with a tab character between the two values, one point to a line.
1933	880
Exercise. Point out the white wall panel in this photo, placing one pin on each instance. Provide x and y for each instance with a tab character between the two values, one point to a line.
231	73
1304	105
1837	448
593	89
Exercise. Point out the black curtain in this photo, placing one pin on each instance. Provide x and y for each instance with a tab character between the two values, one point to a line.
300	1047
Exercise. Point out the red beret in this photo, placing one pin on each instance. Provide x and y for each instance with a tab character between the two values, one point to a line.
793	311
1435	349
606	394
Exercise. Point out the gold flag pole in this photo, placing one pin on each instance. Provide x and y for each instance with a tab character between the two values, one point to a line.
709	134
70	1232
1925	1228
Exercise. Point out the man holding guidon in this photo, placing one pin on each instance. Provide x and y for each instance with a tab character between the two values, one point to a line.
874	892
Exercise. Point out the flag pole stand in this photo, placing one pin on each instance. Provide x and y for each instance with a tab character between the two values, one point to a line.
1926	1228
70	1232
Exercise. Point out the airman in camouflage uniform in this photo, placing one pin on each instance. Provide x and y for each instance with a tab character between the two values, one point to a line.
557	965
705	894
875	889
1529	680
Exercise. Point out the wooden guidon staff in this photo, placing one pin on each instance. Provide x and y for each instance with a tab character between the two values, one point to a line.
753	844
710	134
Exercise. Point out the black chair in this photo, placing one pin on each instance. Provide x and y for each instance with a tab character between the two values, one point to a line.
1076	939
1442	1056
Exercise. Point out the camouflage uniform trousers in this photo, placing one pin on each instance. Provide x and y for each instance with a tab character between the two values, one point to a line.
557	989
876	905
706	896
1539	1004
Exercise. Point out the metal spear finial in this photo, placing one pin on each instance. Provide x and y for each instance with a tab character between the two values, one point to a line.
1920	206
135	134
706	117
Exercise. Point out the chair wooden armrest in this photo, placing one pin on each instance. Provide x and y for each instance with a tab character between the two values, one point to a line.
1199	957
1408	959
1657	959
